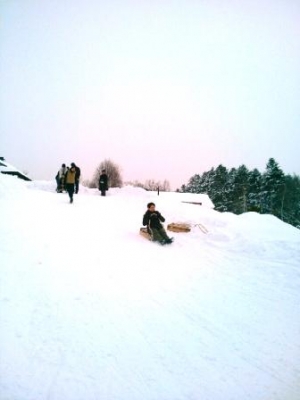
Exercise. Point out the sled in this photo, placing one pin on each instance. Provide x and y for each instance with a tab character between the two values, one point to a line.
179	227
145	233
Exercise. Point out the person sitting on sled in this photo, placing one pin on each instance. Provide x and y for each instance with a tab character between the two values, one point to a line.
152	219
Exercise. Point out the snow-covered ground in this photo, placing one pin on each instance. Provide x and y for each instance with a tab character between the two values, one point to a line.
90	310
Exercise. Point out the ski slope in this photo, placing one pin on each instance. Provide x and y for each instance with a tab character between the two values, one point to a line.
90	310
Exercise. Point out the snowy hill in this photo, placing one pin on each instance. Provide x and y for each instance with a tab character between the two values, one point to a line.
90	310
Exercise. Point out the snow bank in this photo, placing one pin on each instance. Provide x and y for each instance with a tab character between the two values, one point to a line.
129	190
48	186
11	186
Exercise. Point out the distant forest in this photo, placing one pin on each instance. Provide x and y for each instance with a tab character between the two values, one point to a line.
239	190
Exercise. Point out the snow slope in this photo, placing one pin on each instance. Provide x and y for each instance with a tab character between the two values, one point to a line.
89	310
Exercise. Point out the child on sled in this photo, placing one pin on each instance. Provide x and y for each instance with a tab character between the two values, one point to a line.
152	219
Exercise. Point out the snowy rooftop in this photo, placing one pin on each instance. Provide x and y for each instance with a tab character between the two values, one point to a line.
7	168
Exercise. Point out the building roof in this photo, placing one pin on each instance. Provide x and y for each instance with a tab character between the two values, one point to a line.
6	168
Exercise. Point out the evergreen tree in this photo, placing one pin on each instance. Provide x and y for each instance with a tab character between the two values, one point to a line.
206	181
193	185
241	186
229	194
273	189
291	200
254	190
217	188
239	190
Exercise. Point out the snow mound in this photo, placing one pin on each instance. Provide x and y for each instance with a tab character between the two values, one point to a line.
11	186
48	186
129	190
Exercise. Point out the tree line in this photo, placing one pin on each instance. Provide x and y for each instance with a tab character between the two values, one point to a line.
239	190
151	185
114	173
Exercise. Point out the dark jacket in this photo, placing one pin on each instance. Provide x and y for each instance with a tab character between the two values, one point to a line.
103	182
152	219
77	174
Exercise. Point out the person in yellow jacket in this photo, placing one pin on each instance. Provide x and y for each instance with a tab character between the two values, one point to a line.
70	182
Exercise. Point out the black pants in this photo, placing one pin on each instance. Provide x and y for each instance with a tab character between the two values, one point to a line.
60	185
159	234
70	189
76	186
103	189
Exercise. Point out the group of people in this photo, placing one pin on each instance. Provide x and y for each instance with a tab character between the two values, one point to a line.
67	179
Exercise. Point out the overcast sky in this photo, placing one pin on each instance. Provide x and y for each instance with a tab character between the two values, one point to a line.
165	88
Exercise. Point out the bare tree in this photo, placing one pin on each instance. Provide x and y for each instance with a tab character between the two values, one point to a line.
165	186
151	185
135	183
113	172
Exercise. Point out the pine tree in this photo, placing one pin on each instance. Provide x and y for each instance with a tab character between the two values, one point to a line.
291	200
241	186
193	185
217	188
206	181
254	191
273	189
240	190
229	194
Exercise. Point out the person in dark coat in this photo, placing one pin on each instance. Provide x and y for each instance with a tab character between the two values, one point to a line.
70	182
103	183
77	177
152	219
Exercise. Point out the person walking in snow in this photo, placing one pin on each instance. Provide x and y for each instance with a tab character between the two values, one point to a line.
103	183
152	219
70	182
60	178
77	176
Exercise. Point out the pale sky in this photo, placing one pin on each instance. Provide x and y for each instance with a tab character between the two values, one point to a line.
166	89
